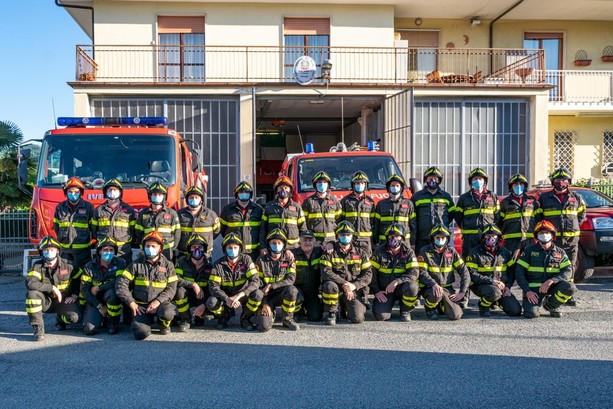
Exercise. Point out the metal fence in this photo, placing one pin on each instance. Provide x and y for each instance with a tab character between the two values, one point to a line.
603	186
13	239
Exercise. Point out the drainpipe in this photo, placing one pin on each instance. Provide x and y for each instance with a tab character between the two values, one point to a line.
90	8
504	13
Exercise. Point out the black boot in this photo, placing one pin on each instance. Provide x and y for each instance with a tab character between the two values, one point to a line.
553	311
113	326
330	318
39	332
572	302
405	315
247	324
60	326
432	314
289	323
484	311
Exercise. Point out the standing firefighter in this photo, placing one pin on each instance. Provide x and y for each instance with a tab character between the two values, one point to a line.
147	287
433	207
544	272
345	273
115	219
233	283
53	286
72	223
243	217
282	213
518	216
308	276
358	209
565	209
321	209
161	218
437	264
395	209
98	288
395	274
277	274
491	274
195	218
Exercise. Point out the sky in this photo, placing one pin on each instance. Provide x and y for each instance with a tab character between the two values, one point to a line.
38	42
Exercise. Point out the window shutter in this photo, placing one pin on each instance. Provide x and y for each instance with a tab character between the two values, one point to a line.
306	26
421	38
180	24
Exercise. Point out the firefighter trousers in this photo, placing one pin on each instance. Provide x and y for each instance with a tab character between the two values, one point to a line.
571	247
38	303
141	324
332	296
251	303
490	294
185	299
451	309
311	307
558	294
286	297
92	319
406	293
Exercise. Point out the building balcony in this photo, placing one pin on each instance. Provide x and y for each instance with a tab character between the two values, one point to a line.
352	66
580	90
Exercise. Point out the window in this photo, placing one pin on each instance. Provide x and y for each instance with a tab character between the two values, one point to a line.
181	49
607	154
552	44
422	51
305	36
564	150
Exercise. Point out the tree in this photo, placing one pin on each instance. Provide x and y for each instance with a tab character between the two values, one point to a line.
10	194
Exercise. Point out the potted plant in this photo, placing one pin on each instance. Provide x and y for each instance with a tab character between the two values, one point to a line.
581	59
607	54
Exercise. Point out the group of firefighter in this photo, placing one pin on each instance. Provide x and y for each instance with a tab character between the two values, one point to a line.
316	261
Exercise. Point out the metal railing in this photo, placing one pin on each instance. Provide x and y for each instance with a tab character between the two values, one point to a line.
13	239
160	64
580	86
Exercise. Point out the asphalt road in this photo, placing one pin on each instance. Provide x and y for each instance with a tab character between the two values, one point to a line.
498	362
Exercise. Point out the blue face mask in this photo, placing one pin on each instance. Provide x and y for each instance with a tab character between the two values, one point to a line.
440	242
276	248
244	196
49	254
518	190
478	184
73	197
321	187
157	199
151	252
231	253
193	202
394	190
359	188
107	255
345	239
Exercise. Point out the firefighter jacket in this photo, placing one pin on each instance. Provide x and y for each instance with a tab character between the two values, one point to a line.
537	265
73	224
205	223
227	280
289	218
517	220
388	211
94	275
360	212
346	267
438	268
485	267
188	274
117	223
165	221
64	276
388	267
431	209
566	217
321	214
278	273
473	215
244	221
143	281
308	276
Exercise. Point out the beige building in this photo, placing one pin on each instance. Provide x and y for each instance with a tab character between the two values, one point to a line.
511	86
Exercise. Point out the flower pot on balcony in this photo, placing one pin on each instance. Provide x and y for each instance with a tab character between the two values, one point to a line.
607	58
582	63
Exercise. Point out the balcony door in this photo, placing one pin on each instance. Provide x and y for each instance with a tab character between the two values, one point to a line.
305	36
422	51
553	44
181	49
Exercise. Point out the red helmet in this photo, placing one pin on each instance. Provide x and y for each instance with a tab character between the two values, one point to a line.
544	225
74	182
155	236
283	180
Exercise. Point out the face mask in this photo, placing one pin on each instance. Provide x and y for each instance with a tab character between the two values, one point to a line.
518	190
113	194
157	199
440	242
433	184
73	197
321	187
394	190
193	202
491	241
49	255
359	187
244	197
545	237
197	254
345	239
283	193
478	184
151	252
560	185
107	255
231	253
276	248
393	242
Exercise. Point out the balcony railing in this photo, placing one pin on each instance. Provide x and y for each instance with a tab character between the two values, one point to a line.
580	86
159	64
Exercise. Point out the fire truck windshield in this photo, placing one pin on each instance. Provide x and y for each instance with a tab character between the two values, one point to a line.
342	168
131	158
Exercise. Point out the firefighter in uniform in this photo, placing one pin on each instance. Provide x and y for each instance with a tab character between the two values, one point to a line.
358	208
234	282
195	218
243	217
147	287
282	213
565	209
321	209
161	218
277	274
308	276
491	274
53	286
433	206
115	219
544	273
518	216
193	271
394	209
98	288
346	273
72	223
437	264
395	274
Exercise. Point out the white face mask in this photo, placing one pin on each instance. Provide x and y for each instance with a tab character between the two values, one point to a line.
544	237
113	194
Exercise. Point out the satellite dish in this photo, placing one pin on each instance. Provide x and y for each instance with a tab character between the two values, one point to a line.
305	69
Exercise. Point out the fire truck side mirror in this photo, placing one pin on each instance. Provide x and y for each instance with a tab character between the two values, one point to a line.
22	168
415	185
